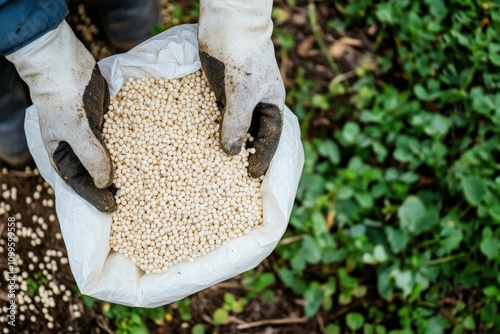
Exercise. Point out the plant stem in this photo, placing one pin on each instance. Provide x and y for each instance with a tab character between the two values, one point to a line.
427	304
458	205
465	212
445	259
427	243
472	72
317	36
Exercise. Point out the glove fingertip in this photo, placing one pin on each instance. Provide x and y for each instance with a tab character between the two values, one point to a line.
266	127
95	159
256	167
231	148
107	206
232	135
71	170
104	180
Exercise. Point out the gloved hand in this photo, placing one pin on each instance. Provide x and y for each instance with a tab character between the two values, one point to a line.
237	55
71	96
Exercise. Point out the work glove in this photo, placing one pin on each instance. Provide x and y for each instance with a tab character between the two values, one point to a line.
71	96
237	56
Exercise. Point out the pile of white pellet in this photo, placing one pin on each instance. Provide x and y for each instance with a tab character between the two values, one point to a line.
37	287
179	195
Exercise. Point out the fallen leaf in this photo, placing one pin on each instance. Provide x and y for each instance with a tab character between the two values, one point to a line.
305	46
350	41
342	45
337	49
330	217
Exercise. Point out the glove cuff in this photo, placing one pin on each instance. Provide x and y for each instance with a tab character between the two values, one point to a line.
57	57
235	21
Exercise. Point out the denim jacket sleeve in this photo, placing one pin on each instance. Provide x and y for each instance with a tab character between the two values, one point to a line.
23	21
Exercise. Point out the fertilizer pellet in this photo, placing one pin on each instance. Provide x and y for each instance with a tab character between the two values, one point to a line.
179	195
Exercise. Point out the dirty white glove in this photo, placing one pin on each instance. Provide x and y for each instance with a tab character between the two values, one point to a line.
71	96
237	56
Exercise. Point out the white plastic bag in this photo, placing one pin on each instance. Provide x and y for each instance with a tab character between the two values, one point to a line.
111	276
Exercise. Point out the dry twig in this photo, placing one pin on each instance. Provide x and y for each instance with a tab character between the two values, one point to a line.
321	323
286	321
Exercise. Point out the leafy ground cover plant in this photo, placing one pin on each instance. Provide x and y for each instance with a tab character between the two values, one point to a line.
398	210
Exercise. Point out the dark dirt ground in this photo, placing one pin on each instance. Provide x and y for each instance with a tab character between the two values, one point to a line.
284	307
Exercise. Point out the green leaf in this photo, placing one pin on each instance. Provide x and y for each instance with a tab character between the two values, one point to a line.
474	189
491	291
89	301
414	216
380	329
397	239
350	132
494	212
263	281
379	255
420	92
481	103
409	177
490	247
229	298
333	329
311	250
285	40
345	298
319	224
495	59
365	200
313	297
337	88
137	329
329	149
298	261
380	150
320	101
385	13
425	275
292	280
344	192
384	286
452	238
32	286
220	316
354	320
438	8
329	288
459	329
331	255
436	325
404	280
416	291
157	314
198	329
184	307
487	232
359	291
136	319
438	126
469	322
238	306
279	14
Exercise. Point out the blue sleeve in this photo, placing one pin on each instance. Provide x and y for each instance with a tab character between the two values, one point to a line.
23	21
